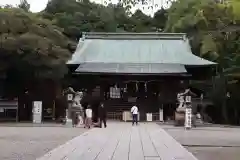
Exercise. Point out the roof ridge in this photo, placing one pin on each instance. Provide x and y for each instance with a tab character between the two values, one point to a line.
132	35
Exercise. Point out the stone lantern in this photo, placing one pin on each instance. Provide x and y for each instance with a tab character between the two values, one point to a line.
70	97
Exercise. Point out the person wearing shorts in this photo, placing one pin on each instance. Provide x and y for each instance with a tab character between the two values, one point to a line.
88	120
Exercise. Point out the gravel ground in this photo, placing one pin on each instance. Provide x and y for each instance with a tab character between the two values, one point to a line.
28	143
209	143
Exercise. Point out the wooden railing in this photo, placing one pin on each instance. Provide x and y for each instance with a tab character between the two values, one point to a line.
8	110
114	116
155	117
119	116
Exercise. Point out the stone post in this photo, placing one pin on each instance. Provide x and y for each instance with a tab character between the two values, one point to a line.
70	96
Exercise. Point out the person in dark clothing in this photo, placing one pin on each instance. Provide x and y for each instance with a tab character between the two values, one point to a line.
102	115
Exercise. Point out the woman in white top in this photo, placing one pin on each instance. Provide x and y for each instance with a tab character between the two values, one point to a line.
88	120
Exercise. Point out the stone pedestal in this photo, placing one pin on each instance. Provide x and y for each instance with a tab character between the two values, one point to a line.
68	118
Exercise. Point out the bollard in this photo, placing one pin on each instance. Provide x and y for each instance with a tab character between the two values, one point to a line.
68	120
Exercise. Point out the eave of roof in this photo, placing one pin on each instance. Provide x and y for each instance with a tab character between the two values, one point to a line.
131	68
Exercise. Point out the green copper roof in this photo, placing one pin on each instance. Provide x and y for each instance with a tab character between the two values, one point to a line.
136	48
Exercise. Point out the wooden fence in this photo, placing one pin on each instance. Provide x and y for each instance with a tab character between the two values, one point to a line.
118	116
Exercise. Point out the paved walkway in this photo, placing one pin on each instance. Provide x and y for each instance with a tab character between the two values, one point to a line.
29	143
121	141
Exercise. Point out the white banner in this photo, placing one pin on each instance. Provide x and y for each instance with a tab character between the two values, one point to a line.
161	115
188	118
37	112
149	117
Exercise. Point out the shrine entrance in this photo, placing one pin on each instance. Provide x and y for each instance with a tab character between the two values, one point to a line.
120	93
136	68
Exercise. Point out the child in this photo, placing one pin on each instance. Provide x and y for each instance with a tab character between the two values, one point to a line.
88	117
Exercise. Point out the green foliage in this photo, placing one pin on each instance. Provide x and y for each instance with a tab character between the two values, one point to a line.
208	25
141	22
235	5
209	46
28	42
160	19
213	30
76	17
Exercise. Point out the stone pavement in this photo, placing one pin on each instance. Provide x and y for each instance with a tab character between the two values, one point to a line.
121	141
25	142
205	136
209	143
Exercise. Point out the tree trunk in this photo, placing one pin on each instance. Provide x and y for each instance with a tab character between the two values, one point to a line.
225	100
235	115
224	112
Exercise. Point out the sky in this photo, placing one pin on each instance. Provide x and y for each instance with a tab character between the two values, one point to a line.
39	5
36	5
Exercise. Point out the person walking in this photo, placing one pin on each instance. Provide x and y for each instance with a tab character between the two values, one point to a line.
74	114
102	115
88	120
81	116
134	111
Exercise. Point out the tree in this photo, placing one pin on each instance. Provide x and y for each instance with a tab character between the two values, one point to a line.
76	17
32	49
32	45
140	22
160	19
235	5
24	5
214	34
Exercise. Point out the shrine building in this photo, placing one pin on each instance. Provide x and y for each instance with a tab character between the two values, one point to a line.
146	69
